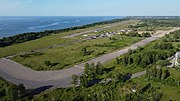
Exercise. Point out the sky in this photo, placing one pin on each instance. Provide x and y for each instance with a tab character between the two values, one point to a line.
89	7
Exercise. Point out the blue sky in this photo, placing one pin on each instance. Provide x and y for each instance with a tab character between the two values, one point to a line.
89	7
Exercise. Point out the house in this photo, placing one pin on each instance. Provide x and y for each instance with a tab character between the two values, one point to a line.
85	35
177	59
141	32
133	89
122	32
94	37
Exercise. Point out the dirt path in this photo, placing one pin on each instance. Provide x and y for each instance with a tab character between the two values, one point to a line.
138	74
16	73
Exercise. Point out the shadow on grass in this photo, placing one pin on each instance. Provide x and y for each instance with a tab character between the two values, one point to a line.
32	92
93	82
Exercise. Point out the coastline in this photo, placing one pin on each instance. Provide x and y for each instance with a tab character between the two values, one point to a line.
20	38
15	25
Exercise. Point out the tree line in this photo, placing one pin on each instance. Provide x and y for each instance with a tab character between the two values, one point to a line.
144	58
163	75
11	92
157	23
172	37
91	72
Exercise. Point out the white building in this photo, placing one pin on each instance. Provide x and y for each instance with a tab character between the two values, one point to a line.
177	58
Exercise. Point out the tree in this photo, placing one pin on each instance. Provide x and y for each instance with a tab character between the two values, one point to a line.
163	45
86	68
130	51
146	34
117	61
99	67
166	74
136	59
47	63
12	93
92	72
84	81
74	80
162	63
125	60
21	90
2	92
159	73
84	51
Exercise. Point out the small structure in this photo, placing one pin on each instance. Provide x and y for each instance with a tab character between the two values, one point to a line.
85	35
122	32
141	32
133	89
177	58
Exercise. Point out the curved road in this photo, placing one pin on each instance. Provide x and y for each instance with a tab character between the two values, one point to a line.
16	73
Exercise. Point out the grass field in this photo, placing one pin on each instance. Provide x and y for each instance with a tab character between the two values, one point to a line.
153	28
122	26
67	56
169	92
52	40
33	45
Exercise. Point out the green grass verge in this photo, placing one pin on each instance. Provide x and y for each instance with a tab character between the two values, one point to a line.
68	56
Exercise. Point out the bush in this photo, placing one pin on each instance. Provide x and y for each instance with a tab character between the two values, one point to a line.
163	45
47	63
146	34
162	63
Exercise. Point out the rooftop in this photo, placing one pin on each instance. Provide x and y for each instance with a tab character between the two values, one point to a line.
177	55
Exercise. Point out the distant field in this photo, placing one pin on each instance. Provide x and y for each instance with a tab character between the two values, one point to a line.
33	45
51	40
122	26
70	55
154	28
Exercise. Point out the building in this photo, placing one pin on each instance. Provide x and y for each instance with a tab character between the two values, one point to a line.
133	89
177	59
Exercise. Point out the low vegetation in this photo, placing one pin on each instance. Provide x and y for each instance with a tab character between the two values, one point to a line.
11	92
156	24
68	56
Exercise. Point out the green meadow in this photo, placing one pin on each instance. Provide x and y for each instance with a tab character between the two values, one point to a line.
69	55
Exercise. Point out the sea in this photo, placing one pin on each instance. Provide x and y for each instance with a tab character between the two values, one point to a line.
13	25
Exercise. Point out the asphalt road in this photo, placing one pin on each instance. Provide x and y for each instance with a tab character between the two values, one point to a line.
16	73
